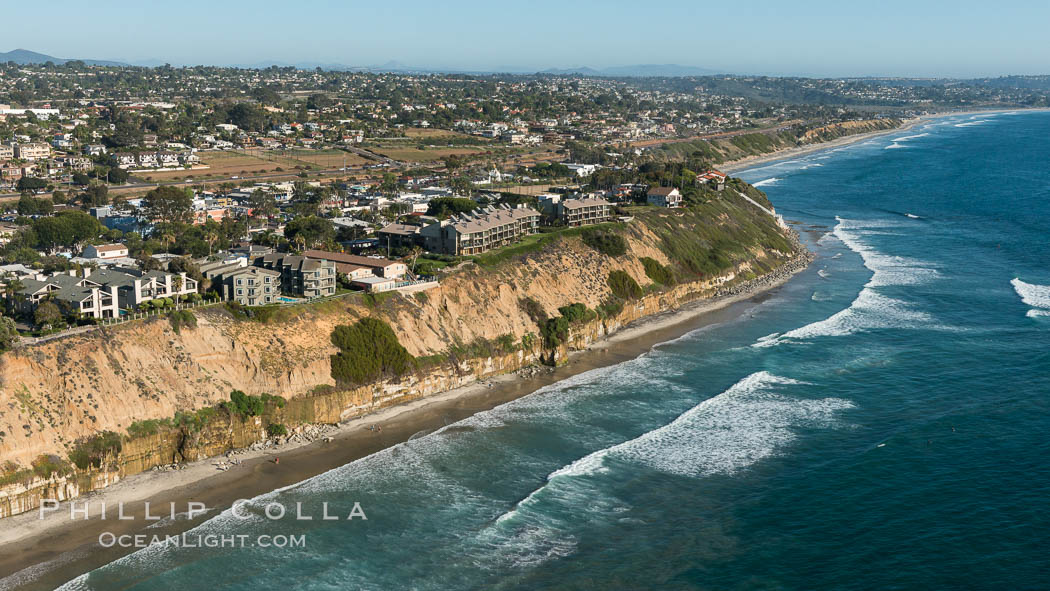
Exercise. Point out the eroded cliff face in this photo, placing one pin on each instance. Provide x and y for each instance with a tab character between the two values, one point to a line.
57	392
837	130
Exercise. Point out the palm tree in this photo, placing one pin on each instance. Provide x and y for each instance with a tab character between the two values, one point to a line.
177	284
168	238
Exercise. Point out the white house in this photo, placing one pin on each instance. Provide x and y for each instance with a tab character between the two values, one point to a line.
664	197
105	251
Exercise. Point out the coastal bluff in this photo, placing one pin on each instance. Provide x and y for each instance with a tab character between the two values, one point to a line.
479	322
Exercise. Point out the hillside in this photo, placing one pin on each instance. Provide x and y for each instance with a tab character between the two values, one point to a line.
481	319
24	57
717	151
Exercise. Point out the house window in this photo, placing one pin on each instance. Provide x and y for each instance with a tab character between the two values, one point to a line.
240	292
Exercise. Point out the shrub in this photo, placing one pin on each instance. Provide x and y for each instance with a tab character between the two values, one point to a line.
623	285
605	242
555	331
245	405
610	307
368	350
90	451
181	318
533	309
273	399
276	430
577	313
146	428
195	421
658	273
47	465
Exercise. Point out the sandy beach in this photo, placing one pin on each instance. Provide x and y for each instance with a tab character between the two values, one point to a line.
752	161
40	553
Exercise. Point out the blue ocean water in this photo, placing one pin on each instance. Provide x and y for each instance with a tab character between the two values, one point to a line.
882	422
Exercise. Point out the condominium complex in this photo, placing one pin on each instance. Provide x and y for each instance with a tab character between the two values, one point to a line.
481	230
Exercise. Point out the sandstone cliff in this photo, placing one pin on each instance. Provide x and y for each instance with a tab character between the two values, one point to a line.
57	392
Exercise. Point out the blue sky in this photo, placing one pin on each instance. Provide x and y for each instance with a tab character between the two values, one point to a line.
815	37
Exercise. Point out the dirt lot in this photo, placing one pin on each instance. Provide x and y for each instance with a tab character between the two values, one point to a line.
430	154
223	165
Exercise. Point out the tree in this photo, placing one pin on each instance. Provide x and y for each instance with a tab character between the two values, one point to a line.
444	207
389	185
95	195
169	204
263	204
28	184
8	333
309	231
69	228
118	176
47	314
190	268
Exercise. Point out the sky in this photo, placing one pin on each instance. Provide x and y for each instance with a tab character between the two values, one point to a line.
959	38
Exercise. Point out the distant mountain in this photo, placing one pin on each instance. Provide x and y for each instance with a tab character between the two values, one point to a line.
24	57
640	71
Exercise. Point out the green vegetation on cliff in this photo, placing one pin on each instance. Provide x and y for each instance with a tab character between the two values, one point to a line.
368	350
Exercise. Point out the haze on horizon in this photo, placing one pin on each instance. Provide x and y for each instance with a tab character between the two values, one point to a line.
815	38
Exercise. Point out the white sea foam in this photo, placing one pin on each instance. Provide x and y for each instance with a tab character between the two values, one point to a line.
1036	296
913	216
721	435
972	123
871	309
765	182
895	146
811	165
911	137
824	274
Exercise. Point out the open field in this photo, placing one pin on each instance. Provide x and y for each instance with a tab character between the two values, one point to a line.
223	165
419	132
426	155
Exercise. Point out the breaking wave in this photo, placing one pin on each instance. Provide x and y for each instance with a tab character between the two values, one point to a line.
721	435
870	309
1036	296
765	182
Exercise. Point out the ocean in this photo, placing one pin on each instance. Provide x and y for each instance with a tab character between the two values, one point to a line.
881	422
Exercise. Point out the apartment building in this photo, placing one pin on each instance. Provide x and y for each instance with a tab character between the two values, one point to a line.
584	211
481	230
301	276
32	151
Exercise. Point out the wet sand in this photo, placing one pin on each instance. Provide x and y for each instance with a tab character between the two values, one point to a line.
42	554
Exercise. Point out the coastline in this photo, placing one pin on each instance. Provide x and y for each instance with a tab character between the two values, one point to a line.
759	160
44	553
753	161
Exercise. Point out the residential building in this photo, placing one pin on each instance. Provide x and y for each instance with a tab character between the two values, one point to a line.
103	293
399	236
72	294
249	286
32	151
105	251
480	230
126	159
374	284
714	178
7	152
584	211
302	276
664	197
377	266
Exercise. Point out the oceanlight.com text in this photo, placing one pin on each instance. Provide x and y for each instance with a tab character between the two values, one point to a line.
186	540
